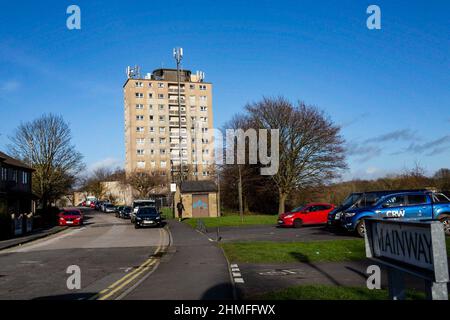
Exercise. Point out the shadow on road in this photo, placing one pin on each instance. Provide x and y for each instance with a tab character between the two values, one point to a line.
304	259
223	291
68	296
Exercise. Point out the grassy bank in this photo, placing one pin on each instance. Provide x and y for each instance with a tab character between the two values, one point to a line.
235	221
283	252
323	292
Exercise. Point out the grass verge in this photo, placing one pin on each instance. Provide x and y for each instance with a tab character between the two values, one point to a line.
234	221
283	252
324	292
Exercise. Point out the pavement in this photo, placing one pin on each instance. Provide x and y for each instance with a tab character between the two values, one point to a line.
193	268
276	234
106	249
35	235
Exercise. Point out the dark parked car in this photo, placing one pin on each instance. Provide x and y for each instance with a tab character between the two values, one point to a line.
147	217
118	209
125	212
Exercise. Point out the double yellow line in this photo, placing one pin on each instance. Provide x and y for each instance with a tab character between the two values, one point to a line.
127	279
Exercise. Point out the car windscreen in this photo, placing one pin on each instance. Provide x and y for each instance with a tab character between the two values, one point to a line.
127	209
147	211
440	198
298	209
71	213
351	199
109	206
143	204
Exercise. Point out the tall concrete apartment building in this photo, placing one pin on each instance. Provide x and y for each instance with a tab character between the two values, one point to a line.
155	122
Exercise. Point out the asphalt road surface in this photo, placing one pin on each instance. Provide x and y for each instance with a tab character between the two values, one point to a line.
274	233
111	254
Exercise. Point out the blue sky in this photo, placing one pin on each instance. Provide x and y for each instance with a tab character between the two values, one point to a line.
388	88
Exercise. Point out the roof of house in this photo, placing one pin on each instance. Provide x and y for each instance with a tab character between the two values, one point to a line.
198	186
13	162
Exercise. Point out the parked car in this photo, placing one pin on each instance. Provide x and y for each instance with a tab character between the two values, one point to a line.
125	212
414	206
313	213
103	206
147	217
359	200
92	205
141	203
118	208
72	217
109	208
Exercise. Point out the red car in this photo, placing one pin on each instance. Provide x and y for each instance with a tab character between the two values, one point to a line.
313	213
72	217
92	205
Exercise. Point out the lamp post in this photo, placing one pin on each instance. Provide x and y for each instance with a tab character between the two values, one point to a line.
178	55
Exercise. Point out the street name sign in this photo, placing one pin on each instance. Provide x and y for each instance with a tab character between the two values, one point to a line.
414	247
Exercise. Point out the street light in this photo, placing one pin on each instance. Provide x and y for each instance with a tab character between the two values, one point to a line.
178	55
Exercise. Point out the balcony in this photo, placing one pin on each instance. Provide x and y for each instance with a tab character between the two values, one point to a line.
175	101
175	112
175	90
176	124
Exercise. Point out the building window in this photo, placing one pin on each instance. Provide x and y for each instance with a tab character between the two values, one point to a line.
161	107
162	118
139	95
139	129
141	164
140	141
139	84
204	130
160	95
152	163
163	164
150	107
191	100
152	152
162	140
139	118
160	85
151	118
162	151
202	87
152	140
203	98
139	106
162	129
140	152
152	129
203	108
4	174
24	177
192	86
150	95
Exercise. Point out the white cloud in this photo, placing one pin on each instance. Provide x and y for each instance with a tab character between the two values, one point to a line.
105	163
9	86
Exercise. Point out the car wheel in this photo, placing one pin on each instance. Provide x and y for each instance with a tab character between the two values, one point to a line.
136	226
446	223
361	228
298	223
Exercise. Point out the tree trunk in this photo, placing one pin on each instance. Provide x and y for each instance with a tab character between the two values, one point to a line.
241	209
282	202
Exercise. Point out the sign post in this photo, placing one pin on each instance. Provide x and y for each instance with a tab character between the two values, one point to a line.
416	248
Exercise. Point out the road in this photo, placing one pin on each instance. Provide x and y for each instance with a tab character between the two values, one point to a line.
111	254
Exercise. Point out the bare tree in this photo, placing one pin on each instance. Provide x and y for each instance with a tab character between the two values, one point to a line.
45	144
311	148
146	183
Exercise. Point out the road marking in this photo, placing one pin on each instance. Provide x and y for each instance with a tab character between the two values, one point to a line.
236	273
128	278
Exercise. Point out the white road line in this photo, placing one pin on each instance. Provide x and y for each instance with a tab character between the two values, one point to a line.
235	269
237	274
238	280
234	266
